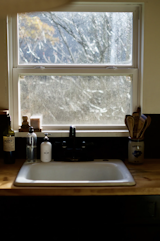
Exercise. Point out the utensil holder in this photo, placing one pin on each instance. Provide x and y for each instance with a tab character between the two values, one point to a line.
136	151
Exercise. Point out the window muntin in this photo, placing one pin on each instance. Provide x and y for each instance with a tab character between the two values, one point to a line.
76	38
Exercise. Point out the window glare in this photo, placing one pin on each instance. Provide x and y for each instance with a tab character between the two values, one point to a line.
75	38
76	99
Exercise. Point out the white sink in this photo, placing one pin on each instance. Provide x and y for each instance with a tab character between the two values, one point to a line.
99	172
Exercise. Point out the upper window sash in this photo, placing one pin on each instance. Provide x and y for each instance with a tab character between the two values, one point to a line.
88	7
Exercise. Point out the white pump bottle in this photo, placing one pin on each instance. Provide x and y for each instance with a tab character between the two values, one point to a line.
46	150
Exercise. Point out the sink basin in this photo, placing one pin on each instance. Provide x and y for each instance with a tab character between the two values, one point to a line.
99	172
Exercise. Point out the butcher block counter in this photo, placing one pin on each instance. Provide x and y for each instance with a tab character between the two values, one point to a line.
146	176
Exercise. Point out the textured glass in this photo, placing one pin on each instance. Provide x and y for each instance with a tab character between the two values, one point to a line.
76	99
76	38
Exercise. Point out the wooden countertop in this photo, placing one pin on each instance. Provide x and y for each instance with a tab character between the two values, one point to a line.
146	176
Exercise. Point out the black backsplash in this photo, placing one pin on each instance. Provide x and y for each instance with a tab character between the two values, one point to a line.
103	147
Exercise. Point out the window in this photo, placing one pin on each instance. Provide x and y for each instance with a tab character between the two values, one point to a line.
76	66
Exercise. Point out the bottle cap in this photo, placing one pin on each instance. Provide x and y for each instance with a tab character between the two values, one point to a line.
31	129
46	137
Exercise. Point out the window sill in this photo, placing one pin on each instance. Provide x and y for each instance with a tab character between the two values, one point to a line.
79	133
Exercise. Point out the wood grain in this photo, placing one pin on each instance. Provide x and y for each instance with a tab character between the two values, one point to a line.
147	178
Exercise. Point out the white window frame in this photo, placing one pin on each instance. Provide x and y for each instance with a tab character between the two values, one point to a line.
16	70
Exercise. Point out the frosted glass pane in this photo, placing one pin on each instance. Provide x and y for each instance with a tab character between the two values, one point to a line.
76	38
76	99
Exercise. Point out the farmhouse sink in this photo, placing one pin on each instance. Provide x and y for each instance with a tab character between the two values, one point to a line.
100	172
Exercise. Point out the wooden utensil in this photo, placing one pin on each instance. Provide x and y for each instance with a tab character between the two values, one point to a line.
139	110
130	124
136	120
141	125
148	122
125	120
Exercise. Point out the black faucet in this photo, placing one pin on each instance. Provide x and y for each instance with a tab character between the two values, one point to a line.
72	136
72	132
73	150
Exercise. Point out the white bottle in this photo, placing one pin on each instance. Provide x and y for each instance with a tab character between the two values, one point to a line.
46	150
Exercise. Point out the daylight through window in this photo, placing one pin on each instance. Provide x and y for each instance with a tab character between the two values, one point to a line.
76	38
76	67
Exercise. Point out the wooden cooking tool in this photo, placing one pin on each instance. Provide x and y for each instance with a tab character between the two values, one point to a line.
139	110
141	125
130	124
148	122
136	120
125	120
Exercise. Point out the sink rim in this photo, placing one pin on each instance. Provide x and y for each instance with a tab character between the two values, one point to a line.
22	181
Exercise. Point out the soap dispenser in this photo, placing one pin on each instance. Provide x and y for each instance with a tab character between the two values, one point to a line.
46	149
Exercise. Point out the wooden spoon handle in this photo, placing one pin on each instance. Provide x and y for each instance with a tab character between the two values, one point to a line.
136	120
130	124
148	122
141	124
